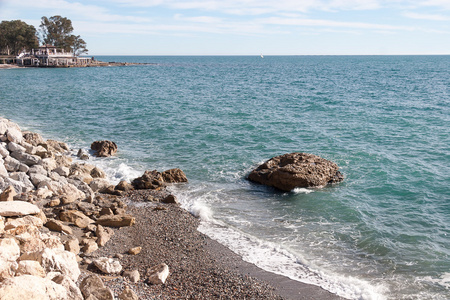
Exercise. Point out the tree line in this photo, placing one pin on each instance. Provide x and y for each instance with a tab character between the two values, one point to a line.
17	36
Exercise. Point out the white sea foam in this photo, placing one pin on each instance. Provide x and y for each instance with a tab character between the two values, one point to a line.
302	191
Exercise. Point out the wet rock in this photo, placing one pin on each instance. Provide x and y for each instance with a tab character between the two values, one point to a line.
104	148
124	186
83	154
169	199
174	176
149	180
288	171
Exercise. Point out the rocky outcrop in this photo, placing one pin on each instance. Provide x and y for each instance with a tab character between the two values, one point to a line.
289	171
104	148
155	180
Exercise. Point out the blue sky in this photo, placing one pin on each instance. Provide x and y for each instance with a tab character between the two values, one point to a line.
248	27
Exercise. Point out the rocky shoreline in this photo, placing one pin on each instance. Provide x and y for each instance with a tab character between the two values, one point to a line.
67	233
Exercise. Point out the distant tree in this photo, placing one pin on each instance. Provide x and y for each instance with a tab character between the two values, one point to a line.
57	31
79	46
16	36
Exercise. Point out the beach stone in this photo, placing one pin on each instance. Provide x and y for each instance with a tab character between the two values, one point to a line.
7	269
62	171
116	220
49	164
98	184
8	194
9	249
30	267
133	276
104	148
73	292
103	234
55	146
128	294
26	158
98	173
76	217
27	220
124	186
70	193
135	250
92	286
52	242
169	199
83	154
56	260
158	274
31	287
11	164
149	180
72	245
174	176
44	193
37	178
13	147
63	161
32	138
14	135
58	226
90	246
3	151
23	178
38	169
17	208
108	265
289	171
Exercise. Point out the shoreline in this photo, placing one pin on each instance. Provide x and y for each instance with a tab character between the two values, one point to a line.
73	197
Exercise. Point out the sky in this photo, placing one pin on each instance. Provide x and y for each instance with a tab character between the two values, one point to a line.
248	27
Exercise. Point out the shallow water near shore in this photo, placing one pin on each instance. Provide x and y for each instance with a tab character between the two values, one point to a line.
383	233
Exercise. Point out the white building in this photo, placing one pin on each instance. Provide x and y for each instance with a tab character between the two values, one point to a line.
51	56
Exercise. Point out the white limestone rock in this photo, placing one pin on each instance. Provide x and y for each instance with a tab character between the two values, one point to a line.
12	147
38	169
56	260
37	178
99	184
11	164
108	265
14	135
27	220
17	208
62	171
26	158
32	287
49	163
9	249
158	274
3	150
7	269
30	267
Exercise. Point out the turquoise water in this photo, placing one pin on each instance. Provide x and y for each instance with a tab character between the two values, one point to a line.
384	233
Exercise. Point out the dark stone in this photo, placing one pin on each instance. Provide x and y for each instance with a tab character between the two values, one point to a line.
104	148
174	176
149	180
289	171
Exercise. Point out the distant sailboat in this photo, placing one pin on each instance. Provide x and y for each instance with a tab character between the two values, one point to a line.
262	56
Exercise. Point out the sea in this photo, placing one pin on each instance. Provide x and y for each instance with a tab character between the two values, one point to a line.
382	233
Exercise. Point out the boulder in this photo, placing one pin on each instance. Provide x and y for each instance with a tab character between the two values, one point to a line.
12	147
30	267
27	220
149	180
72	245
26	158
99	184
83	154
3	171
31	287
11	164
124	186
89	246
92	285
289	171
17	208
108	265
55	146
158	274
98	173
174	176
56	260
8	194
69	193
7	270
32	138
14	135
62	171
116	220
73	292
3	151
104	148
9	249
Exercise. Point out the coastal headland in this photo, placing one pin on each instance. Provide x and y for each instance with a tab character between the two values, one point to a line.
67	233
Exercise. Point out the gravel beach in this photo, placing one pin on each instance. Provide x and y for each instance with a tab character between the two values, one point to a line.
200	268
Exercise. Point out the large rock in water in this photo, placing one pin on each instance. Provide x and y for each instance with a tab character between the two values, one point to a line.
289	171
104	148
